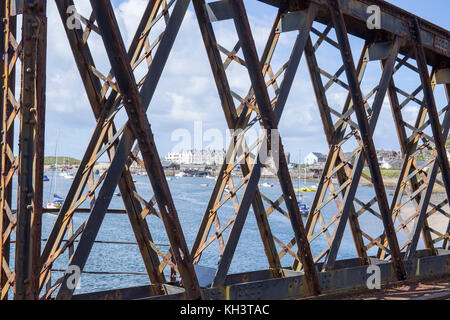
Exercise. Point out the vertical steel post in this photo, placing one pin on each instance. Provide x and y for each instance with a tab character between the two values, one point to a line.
4	195
31	154
446	243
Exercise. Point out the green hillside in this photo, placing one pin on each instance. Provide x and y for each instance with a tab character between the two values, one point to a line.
61	161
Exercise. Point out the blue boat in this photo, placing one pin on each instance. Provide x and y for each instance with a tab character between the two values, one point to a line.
46	179
304	210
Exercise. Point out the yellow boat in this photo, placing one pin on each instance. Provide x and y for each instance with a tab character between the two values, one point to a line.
305	189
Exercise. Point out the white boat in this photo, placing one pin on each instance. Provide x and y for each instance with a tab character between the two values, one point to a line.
180	174
204	185
52	205
68	175
210	177
58	201
266	185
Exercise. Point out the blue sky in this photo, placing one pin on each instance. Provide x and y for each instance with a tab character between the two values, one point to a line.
187	92
435	11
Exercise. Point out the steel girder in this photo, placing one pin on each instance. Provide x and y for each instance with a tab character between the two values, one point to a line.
394	21
262	105
28	165
8	114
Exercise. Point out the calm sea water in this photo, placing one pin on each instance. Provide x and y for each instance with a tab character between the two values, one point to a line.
191	199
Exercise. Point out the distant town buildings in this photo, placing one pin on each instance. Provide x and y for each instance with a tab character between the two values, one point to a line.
197	157
387	155
315	158
388	159
391	164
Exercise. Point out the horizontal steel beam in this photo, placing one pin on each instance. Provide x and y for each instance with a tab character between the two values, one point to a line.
394	22
349	277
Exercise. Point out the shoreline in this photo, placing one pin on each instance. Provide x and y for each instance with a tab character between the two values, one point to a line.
389	183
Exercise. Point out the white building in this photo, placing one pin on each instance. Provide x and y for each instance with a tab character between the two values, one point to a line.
385	164
315	158
174	157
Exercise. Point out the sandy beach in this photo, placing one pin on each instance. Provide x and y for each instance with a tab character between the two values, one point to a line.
436	221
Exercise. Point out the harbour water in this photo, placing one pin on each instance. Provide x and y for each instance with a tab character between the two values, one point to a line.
191	197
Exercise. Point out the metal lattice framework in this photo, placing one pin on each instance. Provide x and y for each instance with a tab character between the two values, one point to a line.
404	44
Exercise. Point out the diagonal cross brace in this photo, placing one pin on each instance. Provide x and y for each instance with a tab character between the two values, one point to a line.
366	135
102	109
425	200
359	162
334	137
123	152
270	122
431	105
233	124
140	126
408	146
8	30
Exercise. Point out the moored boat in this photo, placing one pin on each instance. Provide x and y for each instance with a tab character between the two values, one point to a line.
266	185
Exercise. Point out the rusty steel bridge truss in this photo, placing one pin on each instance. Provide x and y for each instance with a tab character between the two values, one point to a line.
404	49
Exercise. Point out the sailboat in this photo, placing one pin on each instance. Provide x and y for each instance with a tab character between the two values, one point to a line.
57	199
68	175
303	207
306	188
